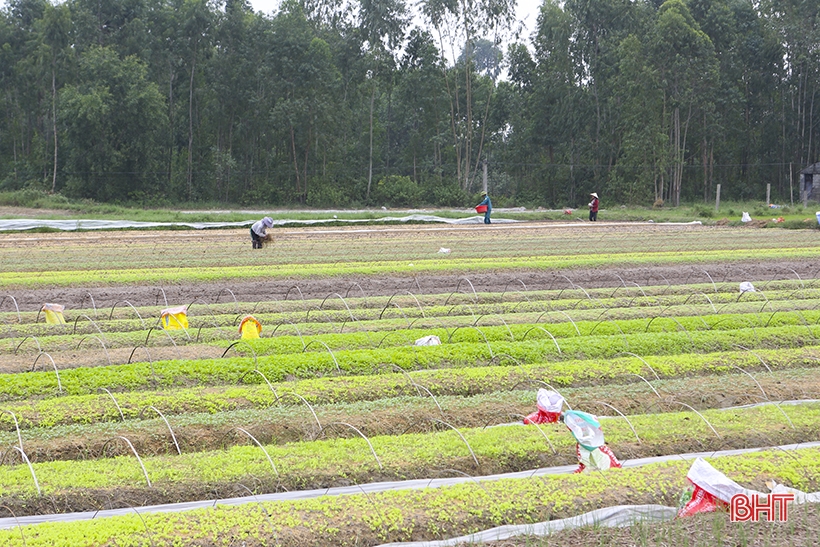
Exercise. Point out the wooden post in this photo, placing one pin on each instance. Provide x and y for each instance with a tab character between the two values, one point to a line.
768	194
717	198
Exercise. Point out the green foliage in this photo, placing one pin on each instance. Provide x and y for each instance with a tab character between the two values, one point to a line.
33	198
327	193
113	118
704	211
238	107
443	193
397	191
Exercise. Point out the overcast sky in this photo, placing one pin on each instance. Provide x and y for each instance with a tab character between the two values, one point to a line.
527	12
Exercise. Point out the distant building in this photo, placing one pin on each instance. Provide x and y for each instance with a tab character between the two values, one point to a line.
810	182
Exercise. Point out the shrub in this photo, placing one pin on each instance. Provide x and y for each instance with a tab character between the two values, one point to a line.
704	211
327	194
28	197
395	190
445	194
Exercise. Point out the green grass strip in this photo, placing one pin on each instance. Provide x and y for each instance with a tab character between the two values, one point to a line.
99	407
144	276
499	449
231	370
408	515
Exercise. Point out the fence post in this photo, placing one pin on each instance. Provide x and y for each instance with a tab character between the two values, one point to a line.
768	194
717	198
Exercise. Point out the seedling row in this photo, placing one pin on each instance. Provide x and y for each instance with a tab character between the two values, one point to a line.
111	410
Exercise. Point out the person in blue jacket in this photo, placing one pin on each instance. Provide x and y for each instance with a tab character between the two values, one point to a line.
489	205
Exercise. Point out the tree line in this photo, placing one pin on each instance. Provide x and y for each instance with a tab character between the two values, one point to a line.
348	102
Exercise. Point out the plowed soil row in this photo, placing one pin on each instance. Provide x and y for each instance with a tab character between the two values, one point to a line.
106	295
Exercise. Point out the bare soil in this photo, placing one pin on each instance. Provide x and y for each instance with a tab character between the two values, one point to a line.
373	285
106	295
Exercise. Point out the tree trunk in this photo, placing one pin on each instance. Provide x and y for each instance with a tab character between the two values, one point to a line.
303	196
54	125
190	177
370	164
454	111
171	78
295	163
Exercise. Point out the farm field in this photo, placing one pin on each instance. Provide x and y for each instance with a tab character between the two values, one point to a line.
642	325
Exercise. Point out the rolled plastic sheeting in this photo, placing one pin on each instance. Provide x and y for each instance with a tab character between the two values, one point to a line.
91	224
612	517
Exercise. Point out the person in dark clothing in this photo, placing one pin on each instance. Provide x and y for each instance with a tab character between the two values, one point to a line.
259	231
489	205
593	207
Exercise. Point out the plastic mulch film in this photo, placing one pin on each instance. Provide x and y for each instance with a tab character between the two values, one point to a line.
620	515
92	224
6	523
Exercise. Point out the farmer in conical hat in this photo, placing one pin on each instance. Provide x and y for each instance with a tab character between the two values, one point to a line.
486	201
593	207
259	231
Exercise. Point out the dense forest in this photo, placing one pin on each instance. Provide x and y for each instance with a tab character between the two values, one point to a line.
363	102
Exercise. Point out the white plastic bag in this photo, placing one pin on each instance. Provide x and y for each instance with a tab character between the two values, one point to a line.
746	286
549	401
585	428
745	217
431	340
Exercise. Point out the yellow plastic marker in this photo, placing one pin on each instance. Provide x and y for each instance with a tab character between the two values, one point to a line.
54	314
249	327
175	318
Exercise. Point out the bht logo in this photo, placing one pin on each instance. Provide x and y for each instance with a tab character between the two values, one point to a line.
750	507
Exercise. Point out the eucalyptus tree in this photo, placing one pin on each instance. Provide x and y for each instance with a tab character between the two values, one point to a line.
642	158
306	92
232	88
744	132
597	27
52	49
113	120
26	92
382	24
552	110
420	94
686	61
460	23
797	24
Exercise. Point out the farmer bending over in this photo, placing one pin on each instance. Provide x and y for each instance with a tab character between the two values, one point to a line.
259	231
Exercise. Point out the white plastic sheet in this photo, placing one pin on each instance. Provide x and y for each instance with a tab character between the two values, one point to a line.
612	517
431	340
747	286
91	224
6	523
